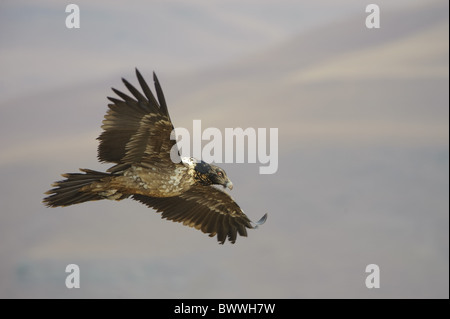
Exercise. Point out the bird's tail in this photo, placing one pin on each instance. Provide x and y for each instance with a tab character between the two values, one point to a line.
75	189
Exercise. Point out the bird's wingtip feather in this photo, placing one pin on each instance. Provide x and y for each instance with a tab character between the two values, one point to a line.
261	221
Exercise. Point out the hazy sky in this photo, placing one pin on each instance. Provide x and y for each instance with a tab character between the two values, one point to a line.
170	36
363	146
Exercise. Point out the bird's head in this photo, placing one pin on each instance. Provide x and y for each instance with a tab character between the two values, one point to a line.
212	174
219	177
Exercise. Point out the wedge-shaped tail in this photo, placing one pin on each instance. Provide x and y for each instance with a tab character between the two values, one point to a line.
74	189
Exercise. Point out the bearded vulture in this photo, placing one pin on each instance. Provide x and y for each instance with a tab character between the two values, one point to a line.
136	137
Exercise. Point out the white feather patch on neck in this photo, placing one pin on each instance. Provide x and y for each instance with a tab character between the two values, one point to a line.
189	161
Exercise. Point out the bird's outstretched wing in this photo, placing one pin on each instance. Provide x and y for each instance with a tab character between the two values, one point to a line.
137	129
205	208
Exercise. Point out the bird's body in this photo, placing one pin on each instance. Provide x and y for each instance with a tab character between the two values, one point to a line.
148	182
136	137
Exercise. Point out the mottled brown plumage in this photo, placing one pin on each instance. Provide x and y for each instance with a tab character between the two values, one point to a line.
136	138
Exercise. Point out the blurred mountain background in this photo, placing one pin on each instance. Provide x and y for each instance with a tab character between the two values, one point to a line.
363	122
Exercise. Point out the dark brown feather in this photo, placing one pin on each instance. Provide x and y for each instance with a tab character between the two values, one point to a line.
205	208
137	129
160	94
148	93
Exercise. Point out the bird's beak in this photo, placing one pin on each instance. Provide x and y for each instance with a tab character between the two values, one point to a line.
229	184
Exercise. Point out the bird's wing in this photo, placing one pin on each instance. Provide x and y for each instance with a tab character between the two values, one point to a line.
137	129
205	208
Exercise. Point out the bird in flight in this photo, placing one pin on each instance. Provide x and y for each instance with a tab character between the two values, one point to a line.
136	138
